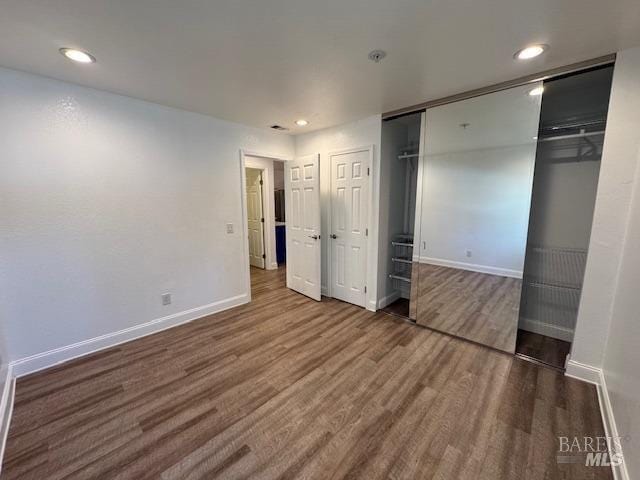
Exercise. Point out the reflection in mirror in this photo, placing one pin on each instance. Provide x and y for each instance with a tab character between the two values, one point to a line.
475	195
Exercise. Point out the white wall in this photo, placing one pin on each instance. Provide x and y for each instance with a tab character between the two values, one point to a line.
611	215
622	355
479	201
357	134
106	202
4	374
4	356
6	389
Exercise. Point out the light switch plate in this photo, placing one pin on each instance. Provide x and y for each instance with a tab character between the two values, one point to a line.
229	227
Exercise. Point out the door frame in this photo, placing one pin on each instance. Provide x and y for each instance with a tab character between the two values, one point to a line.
246	161
371	270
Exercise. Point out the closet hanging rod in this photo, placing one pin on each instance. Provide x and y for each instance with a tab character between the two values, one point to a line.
579	124
573	135
408	155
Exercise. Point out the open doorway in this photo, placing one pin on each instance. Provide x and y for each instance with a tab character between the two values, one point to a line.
265	219
255	217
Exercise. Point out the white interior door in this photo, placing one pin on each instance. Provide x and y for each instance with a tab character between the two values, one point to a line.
302	203
255	218
349	225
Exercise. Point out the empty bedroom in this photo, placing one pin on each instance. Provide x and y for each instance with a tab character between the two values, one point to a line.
297	239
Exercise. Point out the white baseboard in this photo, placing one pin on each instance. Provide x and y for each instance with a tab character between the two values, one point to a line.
503	272
610	427
553	331
389	299
6	409
372	306
595	375
56	356
583	372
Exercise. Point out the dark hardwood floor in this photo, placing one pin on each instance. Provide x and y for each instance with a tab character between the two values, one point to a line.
545	349
400	308
286	387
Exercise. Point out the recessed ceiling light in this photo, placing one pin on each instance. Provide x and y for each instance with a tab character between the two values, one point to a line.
77	55
302	123
530	52
536	91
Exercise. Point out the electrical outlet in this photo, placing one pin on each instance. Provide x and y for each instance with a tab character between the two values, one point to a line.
468	253
229	227
166	299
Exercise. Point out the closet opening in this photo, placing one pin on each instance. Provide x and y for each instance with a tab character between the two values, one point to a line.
569	150
400	155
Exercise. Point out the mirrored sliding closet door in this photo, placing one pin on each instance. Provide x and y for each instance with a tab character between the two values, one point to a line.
475	184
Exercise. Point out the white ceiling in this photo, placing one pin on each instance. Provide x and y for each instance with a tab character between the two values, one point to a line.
500	119
262	62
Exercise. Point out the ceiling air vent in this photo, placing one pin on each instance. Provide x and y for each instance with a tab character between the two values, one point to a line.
278	127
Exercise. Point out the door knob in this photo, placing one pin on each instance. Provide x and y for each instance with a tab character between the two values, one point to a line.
315	237
333	235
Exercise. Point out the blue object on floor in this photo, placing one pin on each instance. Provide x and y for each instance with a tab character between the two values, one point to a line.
281	244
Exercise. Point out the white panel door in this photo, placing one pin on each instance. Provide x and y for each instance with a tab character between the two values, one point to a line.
302	203
255	219
349	225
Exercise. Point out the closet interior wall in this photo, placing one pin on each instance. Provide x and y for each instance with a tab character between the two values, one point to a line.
399	164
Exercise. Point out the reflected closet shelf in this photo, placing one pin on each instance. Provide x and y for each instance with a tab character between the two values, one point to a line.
408	155
399	277
401	260
402	244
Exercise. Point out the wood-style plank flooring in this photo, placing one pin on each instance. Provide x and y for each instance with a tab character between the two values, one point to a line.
477	306
286	388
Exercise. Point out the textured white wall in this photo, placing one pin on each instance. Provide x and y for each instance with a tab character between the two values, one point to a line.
106	202
611	215
357	134
622	355
4	360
